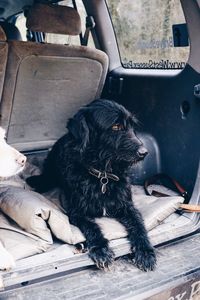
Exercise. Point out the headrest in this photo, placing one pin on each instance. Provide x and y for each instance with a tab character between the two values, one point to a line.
2	35
51	18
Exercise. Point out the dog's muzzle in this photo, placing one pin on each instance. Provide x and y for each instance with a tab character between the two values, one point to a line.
142	152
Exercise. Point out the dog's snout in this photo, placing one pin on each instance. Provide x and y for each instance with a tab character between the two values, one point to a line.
21	159
142	152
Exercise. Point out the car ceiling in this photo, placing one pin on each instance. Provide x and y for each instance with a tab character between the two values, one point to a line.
12	7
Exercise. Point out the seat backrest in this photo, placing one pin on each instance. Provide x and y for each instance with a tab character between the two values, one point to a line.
45	84
3	58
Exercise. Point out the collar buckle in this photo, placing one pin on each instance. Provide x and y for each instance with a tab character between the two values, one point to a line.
103	176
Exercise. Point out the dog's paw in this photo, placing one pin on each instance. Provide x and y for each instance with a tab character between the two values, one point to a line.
80	248
103	257
7	262
144	258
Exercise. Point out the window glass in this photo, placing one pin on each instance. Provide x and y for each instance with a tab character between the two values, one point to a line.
150	34
21	25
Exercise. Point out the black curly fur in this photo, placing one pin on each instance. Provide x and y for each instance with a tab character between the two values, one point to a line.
93	142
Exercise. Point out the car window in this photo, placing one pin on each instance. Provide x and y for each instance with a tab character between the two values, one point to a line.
150	34
21	25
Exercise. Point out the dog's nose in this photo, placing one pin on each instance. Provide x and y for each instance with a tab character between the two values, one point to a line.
142	152
21	159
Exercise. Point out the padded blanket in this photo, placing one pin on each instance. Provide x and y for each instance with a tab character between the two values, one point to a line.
29	222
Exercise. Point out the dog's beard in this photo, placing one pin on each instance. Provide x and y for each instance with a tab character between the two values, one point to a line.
129	158
129	162
100	157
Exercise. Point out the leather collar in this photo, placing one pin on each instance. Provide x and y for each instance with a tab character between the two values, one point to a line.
104	177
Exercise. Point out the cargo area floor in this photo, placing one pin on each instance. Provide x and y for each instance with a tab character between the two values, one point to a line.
178	266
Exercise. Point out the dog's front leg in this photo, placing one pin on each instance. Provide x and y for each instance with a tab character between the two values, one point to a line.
143	253
98	249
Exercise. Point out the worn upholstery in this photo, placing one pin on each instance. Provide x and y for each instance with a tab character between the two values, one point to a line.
3	58
35	214
51	18
19	243
44	85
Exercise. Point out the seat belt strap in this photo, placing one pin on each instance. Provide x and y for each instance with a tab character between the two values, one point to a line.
90	24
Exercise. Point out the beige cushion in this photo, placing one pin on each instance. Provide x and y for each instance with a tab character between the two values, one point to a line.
36	219
35	214
18	242
39	216
154	211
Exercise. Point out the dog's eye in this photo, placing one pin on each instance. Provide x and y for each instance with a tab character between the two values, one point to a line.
117	127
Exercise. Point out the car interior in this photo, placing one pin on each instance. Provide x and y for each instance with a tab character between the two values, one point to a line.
43	83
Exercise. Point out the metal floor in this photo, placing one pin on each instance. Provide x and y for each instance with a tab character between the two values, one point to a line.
176	262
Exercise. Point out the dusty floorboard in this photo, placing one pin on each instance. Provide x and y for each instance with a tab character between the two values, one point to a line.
123	281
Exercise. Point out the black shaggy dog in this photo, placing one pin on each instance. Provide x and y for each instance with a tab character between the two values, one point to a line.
90	163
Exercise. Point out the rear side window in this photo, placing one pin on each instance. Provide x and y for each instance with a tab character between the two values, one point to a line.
150	34
21	25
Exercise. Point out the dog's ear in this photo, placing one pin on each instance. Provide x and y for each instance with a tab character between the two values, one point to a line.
78	127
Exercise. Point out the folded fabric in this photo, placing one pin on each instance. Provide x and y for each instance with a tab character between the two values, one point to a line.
42	218
154	210
35	214
19	243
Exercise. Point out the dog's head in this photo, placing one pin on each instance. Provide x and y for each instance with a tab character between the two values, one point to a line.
106	128
11	161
